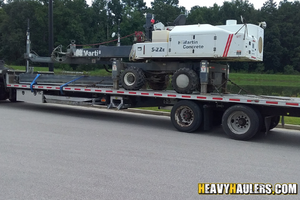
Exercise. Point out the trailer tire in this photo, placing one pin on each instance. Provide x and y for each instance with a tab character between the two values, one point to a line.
185	81
132	78
161	85
241	122
186	116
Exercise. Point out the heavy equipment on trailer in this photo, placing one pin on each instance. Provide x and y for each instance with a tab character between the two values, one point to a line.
185	51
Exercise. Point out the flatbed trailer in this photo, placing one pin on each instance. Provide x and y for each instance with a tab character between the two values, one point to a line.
199	98
241	116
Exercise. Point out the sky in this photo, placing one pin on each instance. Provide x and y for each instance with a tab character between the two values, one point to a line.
209	3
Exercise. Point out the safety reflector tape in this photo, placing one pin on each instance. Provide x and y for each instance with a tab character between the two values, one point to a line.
217	98
271	102
171	95
154	94
292	104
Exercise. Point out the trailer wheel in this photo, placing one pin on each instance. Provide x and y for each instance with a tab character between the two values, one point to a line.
241	122
185	81
186	116
132	78
161	84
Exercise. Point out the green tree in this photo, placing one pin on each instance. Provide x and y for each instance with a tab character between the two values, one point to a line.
166	11
13	29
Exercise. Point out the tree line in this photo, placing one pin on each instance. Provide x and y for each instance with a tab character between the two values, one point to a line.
93	24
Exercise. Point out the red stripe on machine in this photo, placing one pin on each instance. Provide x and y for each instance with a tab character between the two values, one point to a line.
234	100
87	90
49	87
110	91
183	96
292	104
217	98
58	88
271	102
227	45
24	86
120	92
77	89
157	94
171	95
98	90
8	85
67	88
40	87
132	92
144	93
201	97
16	85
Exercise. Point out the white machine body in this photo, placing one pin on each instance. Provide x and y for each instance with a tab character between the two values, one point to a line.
230	42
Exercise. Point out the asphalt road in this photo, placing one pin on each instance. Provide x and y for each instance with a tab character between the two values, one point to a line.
63	152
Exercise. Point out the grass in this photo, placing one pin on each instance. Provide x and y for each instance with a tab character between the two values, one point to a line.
266	79
291	120
154	109
98	72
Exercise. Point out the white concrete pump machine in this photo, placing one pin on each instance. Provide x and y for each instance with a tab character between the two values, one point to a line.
184	53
